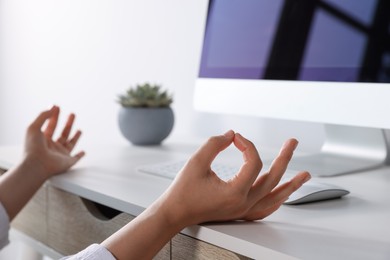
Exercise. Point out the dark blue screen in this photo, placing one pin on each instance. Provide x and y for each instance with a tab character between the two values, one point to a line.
333	40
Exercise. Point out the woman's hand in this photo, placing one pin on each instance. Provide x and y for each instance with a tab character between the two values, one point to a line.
198	195
45	155
43	158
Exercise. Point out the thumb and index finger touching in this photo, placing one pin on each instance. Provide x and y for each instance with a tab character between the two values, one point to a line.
40	120
214	145
246	180
251	166
252	163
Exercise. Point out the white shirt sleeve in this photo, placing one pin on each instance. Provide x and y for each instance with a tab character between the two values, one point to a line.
4	226
93	252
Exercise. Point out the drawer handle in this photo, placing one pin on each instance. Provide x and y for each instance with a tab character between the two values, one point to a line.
100	211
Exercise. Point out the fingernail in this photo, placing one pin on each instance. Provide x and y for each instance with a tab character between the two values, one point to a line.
288	143
307	178
240	139
296	144
53	107
229	134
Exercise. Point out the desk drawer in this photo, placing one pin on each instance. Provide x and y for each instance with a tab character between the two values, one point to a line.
185	247
31	220
74	223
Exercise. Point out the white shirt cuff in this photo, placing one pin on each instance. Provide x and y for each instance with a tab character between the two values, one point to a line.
93	252
4	226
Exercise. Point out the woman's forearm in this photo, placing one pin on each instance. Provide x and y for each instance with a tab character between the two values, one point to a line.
18	185
144	237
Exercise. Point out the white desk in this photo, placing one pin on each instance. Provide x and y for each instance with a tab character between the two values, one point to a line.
355	227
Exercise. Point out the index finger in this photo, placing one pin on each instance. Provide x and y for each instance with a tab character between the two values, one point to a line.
207	153
41	119
68	127
252	163
51	127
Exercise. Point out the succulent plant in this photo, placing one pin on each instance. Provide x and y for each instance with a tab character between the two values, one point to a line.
145	95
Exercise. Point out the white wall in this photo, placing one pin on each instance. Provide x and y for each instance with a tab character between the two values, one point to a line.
82	54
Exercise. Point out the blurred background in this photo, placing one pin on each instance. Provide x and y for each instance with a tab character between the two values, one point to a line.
82	54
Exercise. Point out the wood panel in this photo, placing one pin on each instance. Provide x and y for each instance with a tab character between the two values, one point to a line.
185	247
32	219
74	223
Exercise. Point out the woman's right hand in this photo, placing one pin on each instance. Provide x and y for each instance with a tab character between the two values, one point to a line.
198	195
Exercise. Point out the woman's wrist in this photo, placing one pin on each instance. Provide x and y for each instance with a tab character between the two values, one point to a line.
19	184
31	165
171	213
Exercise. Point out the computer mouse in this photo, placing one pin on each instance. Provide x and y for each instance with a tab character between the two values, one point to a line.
315	191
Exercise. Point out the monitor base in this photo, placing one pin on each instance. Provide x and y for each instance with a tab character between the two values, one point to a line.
346	150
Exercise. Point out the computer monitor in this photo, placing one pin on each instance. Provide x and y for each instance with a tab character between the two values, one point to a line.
325	61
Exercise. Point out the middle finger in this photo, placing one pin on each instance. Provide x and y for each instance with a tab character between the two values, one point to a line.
267	182
66	131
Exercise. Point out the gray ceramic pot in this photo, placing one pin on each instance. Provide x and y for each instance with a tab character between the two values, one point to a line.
145	126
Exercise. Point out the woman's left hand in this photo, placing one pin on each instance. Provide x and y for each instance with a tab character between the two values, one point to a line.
50	157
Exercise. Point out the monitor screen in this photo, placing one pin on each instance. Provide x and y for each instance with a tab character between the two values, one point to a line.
297	40
325	61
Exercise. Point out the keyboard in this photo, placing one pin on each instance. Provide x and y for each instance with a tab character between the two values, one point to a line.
169	170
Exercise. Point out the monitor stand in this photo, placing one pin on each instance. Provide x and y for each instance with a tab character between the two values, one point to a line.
346	149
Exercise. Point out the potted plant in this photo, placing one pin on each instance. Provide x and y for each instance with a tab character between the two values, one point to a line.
145	116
